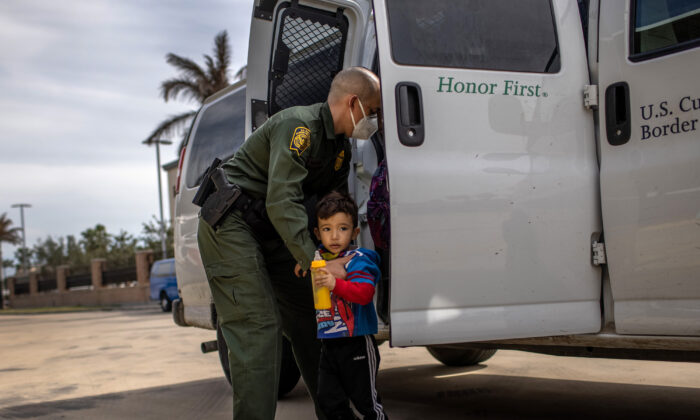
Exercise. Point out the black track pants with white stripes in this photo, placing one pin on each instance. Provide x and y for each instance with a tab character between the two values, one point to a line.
347	372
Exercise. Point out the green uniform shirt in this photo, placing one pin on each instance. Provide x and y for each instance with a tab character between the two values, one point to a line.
294	155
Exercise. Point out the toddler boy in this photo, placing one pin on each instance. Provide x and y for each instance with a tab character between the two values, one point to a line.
349	354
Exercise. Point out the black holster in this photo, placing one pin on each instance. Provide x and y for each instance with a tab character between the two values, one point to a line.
219	203
217	197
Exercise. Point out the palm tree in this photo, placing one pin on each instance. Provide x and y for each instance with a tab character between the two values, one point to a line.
10	235
194	83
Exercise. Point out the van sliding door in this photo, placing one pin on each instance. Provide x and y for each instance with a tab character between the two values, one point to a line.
492	170
649	61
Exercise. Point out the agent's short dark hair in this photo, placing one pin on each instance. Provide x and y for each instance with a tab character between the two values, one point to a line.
335	202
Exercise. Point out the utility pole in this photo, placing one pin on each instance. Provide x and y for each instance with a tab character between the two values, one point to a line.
22	206
160	191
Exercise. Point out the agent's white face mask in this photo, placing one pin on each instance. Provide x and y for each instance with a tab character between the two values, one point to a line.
364	128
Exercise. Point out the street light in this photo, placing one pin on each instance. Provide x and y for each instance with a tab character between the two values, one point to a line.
24	236
160	190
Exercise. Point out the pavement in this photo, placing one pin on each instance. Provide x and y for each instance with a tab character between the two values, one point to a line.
48	357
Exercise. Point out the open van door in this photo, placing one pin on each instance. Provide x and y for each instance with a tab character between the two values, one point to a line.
295	50
492	170
649	61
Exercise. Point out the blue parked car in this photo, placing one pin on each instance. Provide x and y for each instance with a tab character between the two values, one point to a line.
163	283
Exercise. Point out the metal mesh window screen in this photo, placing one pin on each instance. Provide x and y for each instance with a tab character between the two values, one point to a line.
309	53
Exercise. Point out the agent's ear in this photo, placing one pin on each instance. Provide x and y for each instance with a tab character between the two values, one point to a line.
351	101
355	232
317	233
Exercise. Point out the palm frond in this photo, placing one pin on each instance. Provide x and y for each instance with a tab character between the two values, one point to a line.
9	234
188	67
171	125
222	52
212	72
172	88
194	83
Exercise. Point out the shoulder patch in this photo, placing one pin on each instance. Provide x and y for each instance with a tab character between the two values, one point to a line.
301	139
339	160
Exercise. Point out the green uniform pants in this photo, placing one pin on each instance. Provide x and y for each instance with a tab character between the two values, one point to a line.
257	298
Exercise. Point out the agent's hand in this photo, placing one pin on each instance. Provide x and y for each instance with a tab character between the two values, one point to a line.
298	272
324	278
336	267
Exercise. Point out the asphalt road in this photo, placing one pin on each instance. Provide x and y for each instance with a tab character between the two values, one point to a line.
136	364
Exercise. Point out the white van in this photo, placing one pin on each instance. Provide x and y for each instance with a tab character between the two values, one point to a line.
543	160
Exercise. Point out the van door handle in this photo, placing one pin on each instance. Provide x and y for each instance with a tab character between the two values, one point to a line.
617	113
409	114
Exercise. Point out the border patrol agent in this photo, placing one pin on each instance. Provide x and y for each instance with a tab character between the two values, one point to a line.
251	256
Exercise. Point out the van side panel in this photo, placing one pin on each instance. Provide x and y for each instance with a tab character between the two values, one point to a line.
216	132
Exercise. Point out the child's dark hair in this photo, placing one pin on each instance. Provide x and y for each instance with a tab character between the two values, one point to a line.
335	202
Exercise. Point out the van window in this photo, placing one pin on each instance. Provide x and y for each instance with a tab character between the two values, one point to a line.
661	27
477	34
220	133
308	53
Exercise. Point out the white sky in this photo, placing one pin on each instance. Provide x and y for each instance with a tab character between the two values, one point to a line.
79	83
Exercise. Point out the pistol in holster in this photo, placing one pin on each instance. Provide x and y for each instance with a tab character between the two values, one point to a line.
216	196
207	186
